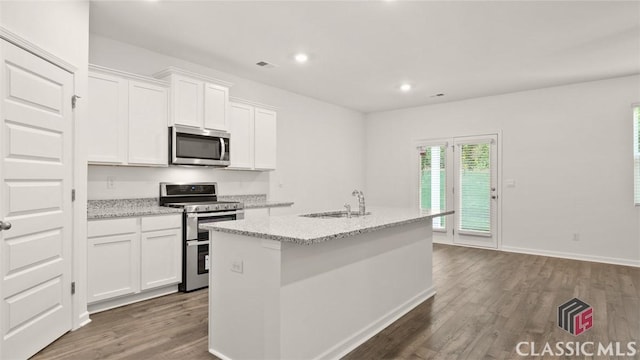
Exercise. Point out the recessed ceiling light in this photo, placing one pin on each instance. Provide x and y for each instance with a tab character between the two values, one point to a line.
406	87
301	58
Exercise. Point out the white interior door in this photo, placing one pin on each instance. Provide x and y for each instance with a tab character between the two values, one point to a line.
475	173
35	175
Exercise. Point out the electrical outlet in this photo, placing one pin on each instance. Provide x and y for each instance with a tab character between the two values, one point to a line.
111	182
576	237
237	265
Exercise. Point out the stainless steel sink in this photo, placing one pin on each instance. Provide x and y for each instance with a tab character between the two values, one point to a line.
335	215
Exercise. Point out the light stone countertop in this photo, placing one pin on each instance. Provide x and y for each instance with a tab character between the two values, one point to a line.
105	209
306	230
255	201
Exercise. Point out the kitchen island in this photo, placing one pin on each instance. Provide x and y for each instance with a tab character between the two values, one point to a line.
296	287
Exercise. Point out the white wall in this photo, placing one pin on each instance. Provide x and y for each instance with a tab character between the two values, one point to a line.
568	148
62	29
320	145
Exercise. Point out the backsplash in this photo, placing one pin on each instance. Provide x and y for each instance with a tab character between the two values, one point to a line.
125	182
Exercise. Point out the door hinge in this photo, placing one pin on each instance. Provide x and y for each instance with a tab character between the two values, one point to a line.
73	288
73	194
74	99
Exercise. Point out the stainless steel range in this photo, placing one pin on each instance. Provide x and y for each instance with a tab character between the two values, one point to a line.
201	205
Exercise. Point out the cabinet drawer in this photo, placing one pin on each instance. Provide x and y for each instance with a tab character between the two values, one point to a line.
111	227
150	223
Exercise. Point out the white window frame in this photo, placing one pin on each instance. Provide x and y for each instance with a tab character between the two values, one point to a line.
636	154
420	145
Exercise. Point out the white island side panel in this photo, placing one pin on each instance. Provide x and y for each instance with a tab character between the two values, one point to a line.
337	294
314	301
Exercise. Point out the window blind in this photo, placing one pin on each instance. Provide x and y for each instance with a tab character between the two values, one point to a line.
636	153
475	187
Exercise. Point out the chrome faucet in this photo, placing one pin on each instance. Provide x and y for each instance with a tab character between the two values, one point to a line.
361	205
348	210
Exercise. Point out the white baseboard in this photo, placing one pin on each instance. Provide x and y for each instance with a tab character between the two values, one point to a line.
130	299
572	256
359	338
219	354
83	320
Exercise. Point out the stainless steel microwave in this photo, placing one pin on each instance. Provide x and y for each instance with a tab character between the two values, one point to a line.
190	146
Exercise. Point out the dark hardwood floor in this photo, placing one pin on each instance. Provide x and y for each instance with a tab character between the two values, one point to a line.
487	302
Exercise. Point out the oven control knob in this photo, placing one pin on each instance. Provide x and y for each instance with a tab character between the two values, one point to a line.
217	207
225	206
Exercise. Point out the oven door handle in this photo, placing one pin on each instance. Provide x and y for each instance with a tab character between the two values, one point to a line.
214	214
196	243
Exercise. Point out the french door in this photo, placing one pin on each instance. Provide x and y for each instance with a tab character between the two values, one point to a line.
461	174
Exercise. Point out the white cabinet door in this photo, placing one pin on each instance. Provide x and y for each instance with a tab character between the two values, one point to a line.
265	139
187	107
148	141
112	261
107	124
36	176
216	102
241	129
160	258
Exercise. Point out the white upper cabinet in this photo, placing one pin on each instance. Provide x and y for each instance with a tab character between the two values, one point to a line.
216	106
253	135
127	119
265	143
107	135
241	129
148	135
196	100
186	101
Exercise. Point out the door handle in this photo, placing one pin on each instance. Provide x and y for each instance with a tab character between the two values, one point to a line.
5	225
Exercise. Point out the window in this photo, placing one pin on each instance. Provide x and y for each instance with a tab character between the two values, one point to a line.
636	152
475	187
433	181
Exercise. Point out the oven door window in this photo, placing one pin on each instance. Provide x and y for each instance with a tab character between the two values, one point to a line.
193	146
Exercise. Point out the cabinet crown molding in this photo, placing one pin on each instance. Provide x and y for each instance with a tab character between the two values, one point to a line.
127	75
174	70
252	103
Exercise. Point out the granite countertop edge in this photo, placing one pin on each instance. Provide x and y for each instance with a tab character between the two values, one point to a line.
132	212
119	208
339	235
267	204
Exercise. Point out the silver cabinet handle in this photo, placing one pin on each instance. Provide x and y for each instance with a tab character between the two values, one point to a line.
5	225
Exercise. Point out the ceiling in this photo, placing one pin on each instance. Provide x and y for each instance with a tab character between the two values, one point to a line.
361	51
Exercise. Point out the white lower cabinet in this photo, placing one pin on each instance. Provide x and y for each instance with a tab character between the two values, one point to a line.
130	256
158	262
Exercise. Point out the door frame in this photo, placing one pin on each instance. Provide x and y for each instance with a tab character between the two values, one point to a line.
79	313
414	173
